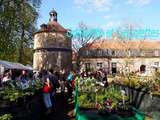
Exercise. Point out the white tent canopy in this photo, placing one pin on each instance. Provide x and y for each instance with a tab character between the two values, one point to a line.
12	65
155	66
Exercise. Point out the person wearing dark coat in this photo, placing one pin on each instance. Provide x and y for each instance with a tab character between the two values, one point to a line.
105	80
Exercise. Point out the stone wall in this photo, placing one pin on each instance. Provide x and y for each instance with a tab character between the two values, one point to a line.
52	50
143	101
134	63
54	60
94	61
51	39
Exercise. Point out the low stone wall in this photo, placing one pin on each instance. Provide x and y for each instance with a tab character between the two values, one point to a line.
142	100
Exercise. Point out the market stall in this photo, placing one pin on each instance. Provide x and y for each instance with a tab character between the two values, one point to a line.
94	102
5	65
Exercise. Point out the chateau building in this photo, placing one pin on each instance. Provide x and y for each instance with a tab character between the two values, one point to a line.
52	46
117	56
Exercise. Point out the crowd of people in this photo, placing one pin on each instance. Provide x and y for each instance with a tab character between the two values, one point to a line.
8	76
51	80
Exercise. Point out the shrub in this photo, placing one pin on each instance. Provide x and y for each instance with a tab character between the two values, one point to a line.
6	117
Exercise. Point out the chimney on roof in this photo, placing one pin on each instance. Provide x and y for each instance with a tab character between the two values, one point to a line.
43	27
53	15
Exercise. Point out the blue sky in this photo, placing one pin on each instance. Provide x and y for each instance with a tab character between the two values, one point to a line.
104	14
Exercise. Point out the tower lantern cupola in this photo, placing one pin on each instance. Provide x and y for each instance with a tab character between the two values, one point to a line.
53	15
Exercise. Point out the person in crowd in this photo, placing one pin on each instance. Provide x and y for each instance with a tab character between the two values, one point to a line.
23	77
82	74
53	79
13	73
24	81
1	77
46	90
56	81
6	77
62	82
105	80
42	73
99	76
35	75
69	84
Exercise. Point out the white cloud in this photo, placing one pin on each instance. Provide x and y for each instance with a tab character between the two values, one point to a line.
139	2
94	5
111	24
106	17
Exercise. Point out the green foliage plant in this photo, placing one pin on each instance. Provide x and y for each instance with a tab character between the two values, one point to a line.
6	117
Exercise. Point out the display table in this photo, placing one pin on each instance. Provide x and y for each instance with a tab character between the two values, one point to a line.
94	115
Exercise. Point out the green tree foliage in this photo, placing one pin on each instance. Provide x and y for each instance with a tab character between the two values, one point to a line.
17	24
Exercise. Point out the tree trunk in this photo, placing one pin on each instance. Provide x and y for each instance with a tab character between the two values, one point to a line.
21	50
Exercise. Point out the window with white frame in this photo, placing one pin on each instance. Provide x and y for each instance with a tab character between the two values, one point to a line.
156	63
99	64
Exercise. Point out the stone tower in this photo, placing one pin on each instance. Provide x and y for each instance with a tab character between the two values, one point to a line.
52	46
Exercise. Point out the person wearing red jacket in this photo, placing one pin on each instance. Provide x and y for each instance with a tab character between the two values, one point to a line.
47	88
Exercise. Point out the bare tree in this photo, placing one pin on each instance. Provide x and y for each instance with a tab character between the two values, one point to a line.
125	36
83	36
128	49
